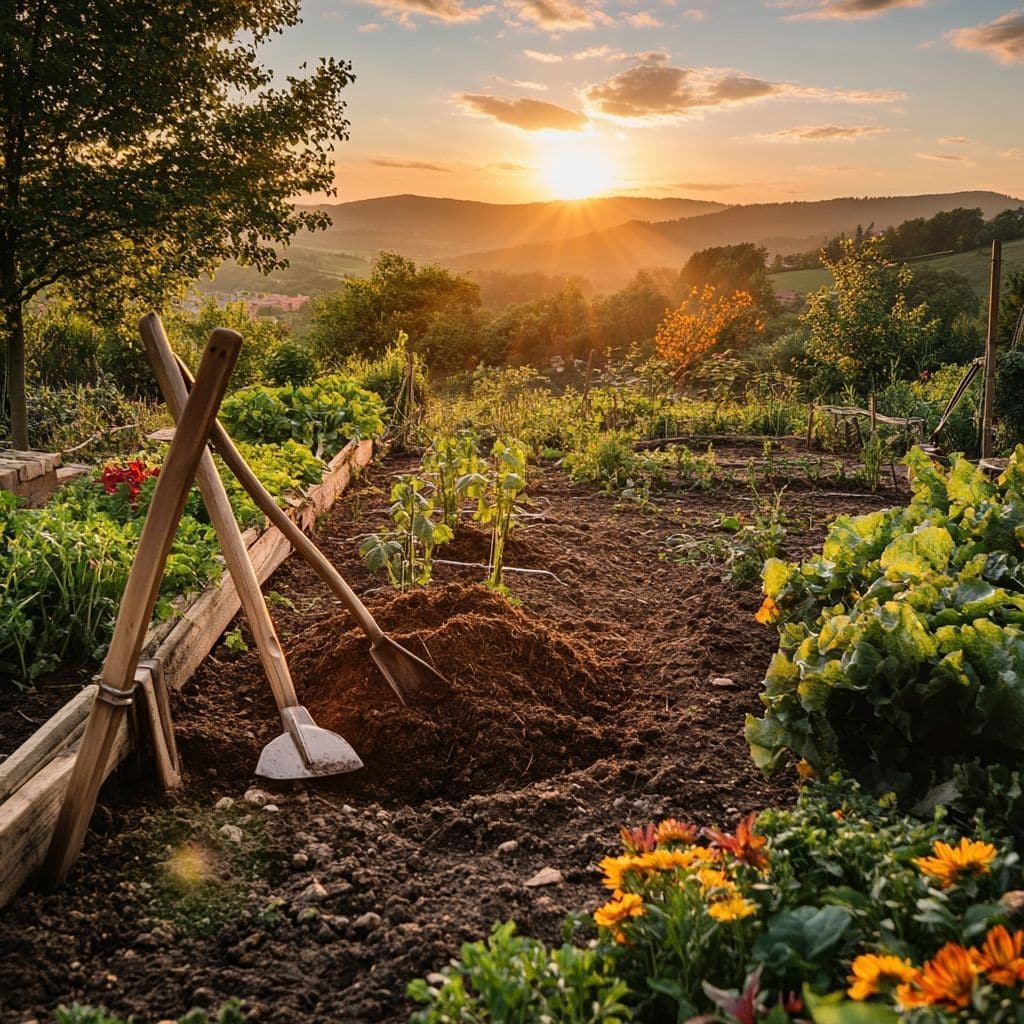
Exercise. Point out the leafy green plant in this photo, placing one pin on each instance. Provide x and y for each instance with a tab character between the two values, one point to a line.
872	455
291	363
406	550
901	646
455	468
498	507
230	1013
518	980
324	415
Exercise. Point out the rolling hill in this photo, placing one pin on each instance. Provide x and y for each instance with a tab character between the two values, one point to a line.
611	256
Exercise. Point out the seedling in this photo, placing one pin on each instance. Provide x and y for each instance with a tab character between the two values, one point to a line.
454	466
498	505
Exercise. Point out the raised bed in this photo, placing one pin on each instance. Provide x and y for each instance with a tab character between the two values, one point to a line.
33	778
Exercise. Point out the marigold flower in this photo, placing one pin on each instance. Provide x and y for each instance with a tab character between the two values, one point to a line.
768	613
950	862
616	911
615	869
712	878
735	908
671	830
1000	957
872	973
947	980
806	770
745	845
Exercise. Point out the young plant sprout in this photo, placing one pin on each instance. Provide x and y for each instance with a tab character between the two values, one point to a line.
498	505
454	466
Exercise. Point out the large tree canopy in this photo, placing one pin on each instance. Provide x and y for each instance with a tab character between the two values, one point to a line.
142	142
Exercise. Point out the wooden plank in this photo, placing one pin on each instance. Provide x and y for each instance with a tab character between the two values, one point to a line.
27	819
28	816
47	739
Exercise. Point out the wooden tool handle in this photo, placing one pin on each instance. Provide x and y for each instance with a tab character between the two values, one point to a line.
232	545
137	603
264	500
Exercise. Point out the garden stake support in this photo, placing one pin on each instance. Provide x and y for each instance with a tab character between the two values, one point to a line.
304	750
412	679
117	678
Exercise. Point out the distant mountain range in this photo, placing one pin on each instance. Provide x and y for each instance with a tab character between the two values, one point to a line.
606	240
612	256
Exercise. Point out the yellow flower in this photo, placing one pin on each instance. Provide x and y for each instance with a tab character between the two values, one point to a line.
612	914
872	973
950	862
768	612
735	908
711	878
947	980
615	869
1000	957
806	770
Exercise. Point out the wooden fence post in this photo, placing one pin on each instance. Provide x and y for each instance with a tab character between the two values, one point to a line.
990	349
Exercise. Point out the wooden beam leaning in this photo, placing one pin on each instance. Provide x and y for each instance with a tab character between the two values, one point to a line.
117	679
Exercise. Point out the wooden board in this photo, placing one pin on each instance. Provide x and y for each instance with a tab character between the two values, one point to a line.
28	816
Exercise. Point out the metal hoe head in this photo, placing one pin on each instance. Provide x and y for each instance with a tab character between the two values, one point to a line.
305	751
413	680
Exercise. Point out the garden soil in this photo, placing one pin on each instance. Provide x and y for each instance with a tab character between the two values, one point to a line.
610	690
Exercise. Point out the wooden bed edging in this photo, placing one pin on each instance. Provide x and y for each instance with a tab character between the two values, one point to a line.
36	774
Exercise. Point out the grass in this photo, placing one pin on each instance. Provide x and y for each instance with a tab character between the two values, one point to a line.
973	265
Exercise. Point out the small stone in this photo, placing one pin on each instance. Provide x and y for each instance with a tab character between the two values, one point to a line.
367	922
509	846
256	797
204	995
347	809
300	860
1013	901
313	893
302	797
546	876
232	833
225	803
307	914
723	682
271	808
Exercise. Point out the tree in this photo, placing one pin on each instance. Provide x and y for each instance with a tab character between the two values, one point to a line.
143	143
709	320
364	316
731	268
863	326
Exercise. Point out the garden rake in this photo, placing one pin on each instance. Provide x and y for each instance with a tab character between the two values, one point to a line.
303	750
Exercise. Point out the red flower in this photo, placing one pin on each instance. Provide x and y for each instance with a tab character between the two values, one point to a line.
639	840
745	845
132	474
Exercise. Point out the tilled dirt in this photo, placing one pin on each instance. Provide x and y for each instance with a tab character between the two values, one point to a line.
611	692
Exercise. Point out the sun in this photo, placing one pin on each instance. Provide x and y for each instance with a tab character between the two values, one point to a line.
573	169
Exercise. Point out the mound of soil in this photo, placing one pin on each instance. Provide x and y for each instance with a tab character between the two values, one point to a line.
526	701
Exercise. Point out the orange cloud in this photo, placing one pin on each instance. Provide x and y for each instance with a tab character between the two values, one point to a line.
528	114
1002	39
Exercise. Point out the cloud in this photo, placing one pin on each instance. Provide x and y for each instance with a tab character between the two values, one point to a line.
555	14
542	57
852	9
824	132
591	53
409	165
946	158
1002	39
705	186
642	19
506	165
696	14
957	140
528	114
1016	153
657	91
651	57
443	10
370	26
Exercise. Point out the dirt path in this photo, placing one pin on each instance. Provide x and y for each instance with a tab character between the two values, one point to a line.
590	704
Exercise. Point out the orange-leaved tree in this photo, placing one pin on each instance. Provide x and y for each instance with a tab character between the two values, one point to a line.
707	320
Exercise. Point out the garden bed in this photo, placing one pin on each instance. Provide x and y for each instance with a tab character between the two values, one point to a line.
614	695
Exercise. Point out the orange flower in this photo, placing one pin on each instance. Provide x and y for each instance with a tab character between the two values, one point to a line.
1000	957
671	830
638	840
806	770
947	980
612	914
745	845
950	862
768	613
615	870
872	973
735	908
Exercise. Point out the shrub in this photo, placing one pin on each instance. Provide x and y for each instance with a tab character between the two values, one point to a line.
291	363
1008	400
901	646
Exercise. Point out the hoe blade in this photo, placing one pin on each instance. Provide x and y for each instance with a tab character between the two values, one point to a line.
305	751
413	680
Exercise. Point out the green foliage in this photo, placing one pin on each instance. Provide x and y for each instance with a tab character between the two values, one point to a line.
500	491
510	979
406	550
230	1013
291	363
1008	400
454	467
901	646
863	325
324	415
387	376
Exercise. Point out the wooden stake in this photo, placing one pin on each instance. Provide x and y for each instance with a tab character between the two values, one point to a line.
117	679
990	349
873	412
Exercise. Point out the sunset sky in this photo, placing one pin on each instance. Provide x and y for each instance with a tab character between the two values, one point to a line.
734	100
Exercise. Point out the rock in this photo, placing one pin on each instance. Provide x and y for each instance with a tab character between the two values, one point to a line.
723	682
232	833
204	996
313	893
509	846
300	861
1013	901
225	803
367	922
271	808
546	876
320	852
256	797
307	914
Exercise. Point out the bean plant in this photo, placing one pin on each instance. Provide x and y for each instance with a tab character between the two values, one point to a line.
454	466
406	550
501	492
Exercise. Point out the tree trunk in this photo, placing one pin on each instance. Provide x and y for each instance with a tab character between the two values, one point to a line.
15	367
